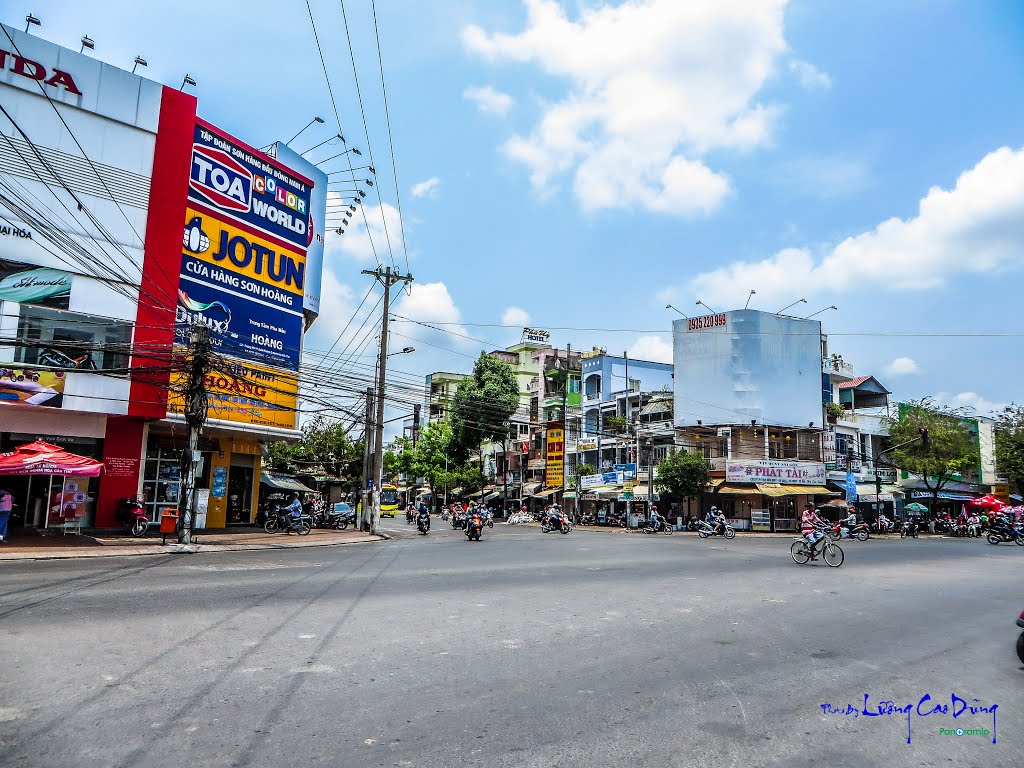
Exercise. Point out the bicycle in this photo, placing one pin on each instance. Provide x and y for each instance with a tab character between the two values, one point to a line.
831	552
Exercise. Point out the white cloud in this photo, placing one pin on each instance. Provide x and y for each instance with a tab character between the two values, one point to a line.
654	85
972	401
902	366
975	227
515	316
654	348
430	303
360	242
426	188
488	100
809	75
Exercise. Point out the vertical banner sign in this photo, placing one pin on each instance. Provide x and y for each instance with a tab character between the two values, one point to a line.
244	275
554	471
851	487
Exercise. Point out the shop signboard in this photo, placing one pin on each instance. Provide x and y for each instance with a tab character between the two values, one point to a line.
586	444
220	482
628	470
590	481
70	502
254	394
28	386
775	471
28	284
828	448
554	469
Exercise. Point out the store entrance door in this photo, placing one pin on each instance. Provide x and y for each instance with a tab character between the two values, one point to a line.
239	495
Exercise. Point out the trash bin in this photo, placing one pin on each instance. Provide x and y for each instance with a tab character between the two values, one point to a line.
168	523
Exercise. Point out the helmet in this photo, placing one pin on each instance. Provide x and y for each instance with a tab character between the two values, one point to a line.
714	509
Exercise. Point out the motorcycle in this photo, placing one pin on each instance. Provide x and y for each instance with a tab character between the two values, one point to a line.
1020	638
408	516
459	521
423	524
706	530
474	528
660	527
858	532
556	523
132	515
879	527
588	518
908	528
282	520
1001	533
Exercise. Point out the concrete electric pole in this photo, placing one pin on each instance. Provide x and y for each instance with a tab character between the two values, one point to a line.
387	278
196	406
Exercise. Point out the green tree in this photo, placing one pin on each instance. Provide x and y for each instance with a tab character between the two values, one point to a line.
1010	445
951	450
324	447
482	406
615	424
585	469
683	475
399	459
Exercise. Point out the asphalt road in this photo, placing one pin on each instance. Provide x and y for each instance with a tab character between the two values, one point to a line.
526	649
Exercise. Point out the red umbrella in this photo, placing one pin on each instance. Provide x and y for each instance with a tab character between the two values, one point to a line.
988	502
41	458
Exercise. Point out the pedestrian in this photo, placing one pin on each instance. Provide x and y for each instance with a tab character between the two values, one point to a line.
6	504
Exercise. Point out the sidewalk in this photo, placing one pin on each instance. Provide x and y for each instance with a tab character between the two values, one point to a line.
32	546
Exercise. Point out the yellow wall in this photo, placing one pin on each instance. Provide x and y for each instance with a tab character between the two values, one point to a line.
217	513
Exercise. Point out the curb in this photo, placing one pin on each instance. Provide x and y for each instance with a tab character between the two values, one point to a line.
179	549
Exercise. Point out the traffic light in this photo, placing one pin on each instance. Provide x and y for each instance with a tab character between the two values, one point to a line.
416	416
926	442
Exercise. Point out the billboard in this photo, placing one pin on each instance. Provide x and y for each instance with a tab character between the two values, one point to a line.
28	284
554	470
247	230
317	221
746	365
775	471
253	394
20	385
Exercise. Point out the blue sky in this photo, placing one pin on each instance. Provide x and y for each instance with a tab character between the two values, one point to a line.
582	164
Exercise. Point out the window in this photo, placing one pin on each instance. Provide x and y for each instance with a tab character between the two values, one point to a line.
70	340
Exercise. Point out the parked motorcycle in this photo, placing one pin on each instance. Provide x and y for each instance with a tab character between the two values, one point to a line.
707	530
132	515
474	527
909	528
1001	533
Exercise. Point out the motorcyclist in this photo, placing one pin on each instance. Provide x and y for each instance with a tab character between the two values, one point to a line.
655	518
423	517
851	521
294	510
883	523
554	516
711	518
974	525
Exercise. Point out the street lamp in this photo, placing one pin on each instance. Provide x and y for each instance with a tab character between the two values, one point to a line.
139	62
403	351
749	297
332	138
354	151
702	304
87	42
798	301
188	80
314	120
669	306
826	309
31	20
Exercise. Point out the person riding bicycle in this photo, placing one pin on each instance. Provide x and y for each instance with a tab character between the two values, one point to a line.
810	524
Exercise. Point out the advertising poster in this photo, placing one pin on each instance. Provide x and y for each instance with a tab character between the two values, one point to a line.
27	284
70	501
25	386
247	229
252	394
772	471
554	471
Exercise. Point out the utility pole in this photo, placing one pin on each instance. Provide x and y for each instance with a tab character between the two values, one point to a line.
565	414
367	461
387	278
629	440
195	417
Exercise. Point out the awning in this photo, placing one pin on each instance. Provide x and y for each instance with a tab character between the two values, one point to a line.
281	482
778	489
656	406
868	489
714	483
737	488
41	458
530	488
456	491
545	494
569	495
491	496
951	496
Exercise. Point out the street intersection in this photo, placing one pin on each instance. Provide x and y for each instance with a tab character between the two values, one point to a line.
525	649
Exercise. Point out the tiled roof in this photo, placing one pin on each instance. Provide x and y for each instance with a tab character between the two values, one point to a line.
853	383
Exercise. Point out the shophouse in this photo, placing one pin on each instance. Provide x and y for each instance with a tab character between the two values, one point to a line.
118	202
748	392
